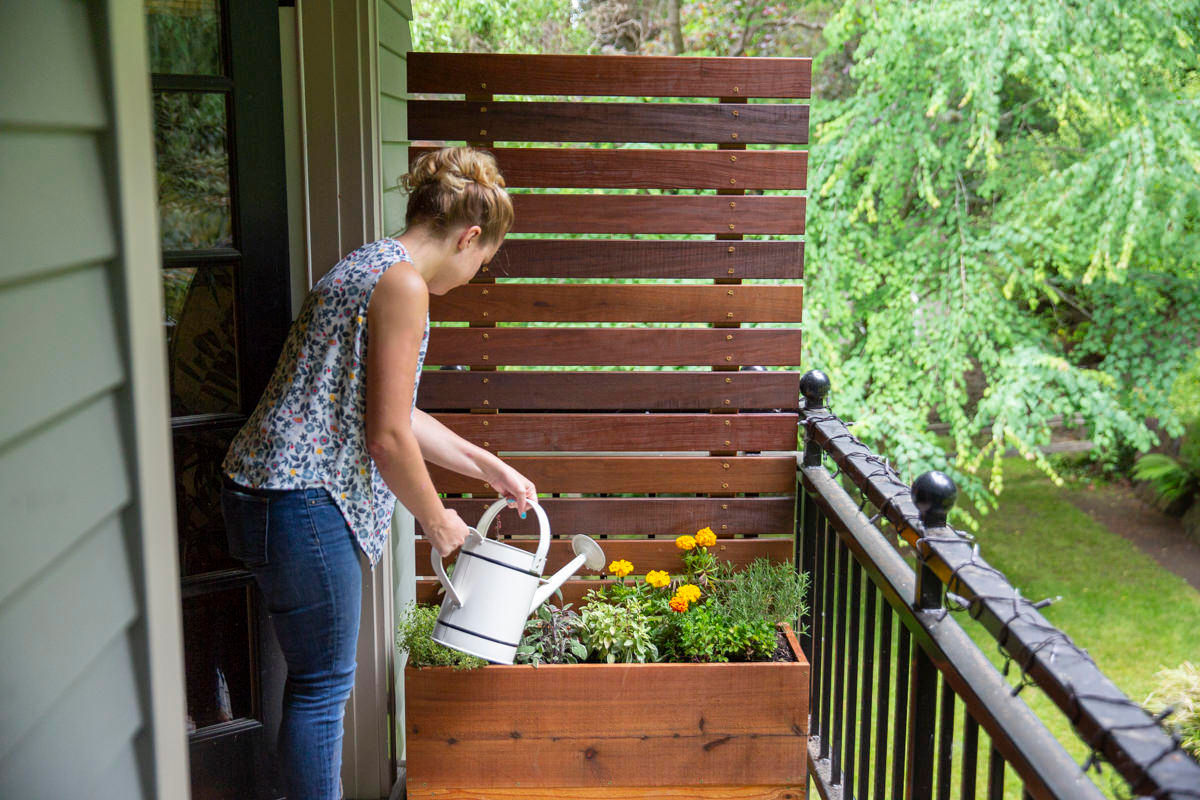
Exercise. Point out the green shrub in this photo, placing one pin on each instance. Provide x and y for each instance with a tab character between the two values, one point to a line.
705	634
413	635
1179	689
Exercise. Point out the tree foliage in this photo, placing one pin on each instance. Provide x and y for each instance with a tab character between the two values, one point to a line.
1005	203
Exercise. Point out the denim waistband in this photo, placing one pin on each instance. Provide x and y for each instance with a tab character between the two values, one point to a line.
313	494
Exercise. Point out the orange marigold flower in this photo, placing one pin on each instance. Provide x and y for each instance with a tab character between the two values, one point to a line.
620	568
678	604
690	592
705	537
657	578
686	542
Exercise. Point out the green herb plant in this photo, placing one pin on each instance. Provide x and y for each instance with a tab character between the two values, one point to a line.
551	637
414	634
618	633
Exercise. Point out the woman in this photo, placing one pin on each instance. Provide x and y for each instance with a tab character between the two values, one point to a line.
313	475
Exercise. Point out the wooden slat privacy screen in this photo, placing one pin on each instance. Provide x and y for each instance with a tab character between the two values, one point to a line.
663	414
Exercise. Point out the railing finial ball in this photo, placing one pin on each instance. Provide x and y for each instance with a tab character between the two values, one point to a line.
934	494
814	385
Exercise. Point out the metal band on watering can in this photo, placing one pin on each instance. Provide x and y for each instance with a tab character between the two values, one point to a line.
485	522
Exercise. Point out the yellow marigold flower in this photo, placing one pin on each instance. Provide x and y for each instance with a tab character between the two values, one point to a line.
689	592
657	578
705	537
620	568
686	542
678	604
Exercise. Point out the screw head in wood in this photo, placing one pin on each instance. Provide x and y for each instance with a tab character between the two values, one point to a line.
485	291
485	357
724	506
487	444
728	380
733	136
725	465
728	423
731	272
485	422
731	226
733	158
485	313
729	314
725	402
730	249
735	113
733	180
736	90
483	86
729	292
727	358
732	204
486	403
485	336
485	380
729	337
483	109
727	443
724	527
724	485
482	132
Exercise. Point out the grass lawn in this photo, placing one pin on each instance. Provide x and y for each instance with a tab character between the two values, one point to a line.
1130	614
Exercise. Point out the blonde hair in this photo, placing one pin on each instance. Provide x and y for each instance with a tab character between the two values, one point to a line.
457	185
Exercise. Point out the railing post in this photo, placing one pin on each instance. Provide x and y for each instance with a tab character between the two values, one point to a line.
934	494
814	386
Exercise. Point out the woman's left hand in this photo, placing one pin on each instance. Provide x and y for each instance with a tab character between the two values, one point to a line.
513	485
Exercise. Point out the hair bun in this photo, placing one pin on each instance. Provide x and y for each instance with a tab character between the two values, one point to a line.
457	184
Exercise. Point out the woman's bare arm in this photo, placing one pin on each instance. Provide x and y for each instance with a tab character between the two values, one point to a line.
396	322
444	447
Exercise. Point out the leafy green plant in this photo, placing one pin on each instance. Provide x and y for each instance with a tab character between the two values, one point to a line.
413	635
551	637
1179	689
703	633
763	591
1176	481
615	633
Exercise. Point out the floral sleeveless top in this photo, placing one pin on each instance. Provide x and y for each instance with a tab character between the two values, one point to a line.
309	428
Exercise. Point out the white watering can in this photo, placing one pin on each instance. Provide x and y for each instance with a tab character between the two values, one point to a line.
497	586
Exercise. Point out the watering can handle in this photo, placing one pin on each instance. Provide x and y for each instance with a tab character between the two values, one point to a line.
439	569
539	559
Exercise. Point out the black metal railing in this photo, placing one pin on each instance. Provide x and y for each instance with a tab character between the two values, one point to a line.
902	698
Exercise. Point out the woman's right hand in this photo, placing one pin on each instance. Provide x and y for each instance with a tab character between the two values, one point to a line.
447	532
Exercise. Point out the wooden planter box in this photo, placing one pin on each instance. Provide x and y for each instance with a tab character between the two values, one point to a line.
584	731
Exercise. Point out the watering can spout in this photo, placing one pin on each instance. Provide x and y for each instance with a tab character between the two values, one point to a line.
587	553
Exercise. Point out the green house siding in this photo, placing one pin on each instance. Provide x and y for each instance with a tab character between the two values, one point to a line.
75	661
395	41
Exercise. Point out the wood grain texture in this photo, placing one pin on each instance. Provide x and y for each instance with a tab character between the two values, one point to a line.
636	213
641	516
608	391
638	474
626	432
654	258
613	346
645	554
649	76
558	167
515	302
561	726
686	123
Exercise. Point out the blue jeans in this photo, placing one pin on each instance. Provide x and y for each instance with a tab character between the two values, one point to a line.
305	560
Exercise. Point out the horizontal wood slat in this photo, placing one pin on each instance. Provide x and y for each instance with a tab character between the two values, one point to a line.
562	432
574	591
614	346
575	75
644	516
694	123
622	258
512	302
611	213
608	391
644	554
557	167
673	474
